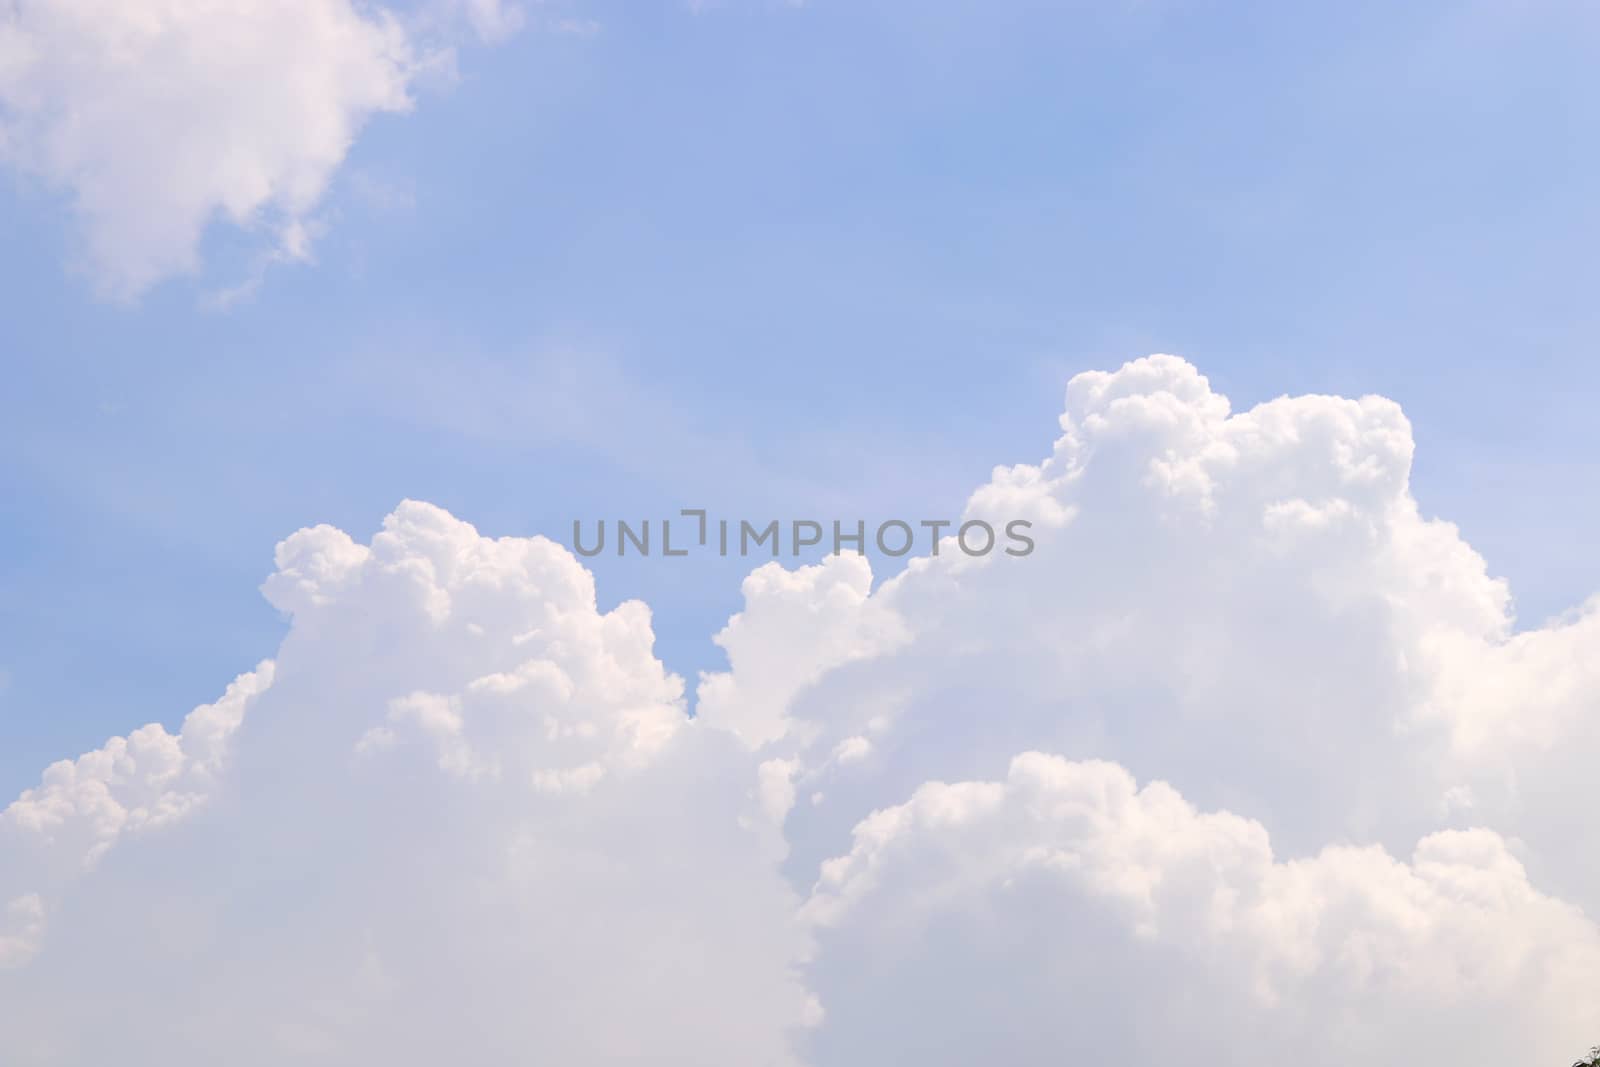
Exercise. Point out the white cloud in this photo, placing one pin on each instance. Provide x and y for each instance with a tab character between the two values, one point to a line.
160	117
463	814
796	626
546	854
1063	915
61	830
1249	605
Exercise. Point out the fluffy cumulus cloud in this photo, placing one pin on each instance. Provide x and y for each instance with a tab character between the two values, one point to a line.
1247	761
159	117
1065	915
1248	605
468	817
82	808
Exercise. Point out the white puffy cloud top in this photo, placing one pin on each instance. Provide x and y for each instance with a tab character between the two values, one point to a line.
1247	762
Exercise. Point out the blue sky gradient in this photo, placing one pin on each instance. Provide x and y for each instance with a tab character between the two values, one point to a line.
829	261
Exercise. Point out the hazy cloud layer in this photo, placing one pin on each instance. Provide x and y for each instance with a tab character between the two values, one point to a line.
1246	761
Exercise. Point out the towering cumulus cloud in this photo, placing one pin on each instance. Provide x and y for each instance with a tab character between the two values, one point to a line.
468	818
1246	762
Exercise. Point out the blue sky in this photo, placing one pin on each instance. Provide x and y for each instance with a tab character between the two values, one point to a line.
832	259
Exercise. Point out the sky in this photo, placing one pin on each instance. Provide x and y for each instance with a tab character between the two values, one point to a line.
582	260
832	258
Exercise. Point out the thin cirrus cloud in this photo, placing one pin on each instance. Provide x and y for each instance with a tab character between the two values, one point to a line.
158	119
1248	759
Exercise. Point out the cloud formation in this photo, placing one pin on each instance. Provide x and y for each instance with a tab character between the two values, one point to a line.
1248	605
1248	759
465	815
1066	915
158	118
